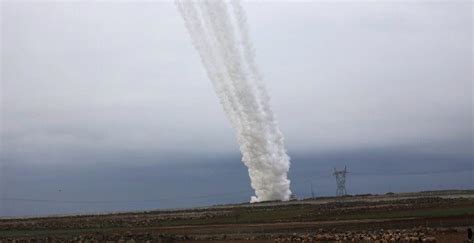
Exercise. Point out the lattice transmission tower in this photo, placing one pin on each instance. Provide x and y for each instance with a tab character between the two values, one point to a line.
341	181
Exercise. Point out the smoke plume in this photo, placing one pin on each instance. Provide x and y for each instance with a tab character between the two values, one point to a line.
219	32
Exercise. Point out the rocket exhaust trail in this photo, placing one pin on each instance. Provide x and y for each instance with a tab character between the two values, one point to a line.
221	38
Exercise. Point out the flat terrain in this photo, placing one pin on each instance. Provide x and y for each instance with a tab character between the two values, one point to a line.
438	216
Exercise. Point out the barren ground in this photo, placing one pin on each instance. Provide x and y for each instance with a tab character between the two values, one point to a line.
440	216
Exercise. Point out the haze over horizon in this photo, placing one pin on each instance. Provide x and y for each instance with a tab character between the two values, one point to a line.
109	101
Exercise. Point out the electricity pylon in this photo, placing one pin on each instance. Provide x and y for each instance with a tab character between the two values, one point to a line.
341	181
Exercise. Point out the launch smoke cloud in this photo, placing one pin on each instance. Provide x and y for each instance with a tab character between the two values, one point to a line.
219	32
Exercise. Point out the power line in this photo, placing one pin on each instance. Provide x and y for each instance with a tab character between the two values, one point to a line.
126	201
327	174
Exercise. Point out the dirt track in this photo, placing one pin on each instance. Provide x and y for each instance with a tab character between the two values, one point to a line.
434	217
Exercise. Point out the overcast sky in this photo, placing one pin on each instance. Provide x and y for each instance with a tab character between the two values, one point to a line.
100	76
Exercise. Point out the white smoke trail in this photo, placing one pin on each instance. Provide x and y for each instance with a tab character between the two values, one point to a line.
222	41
